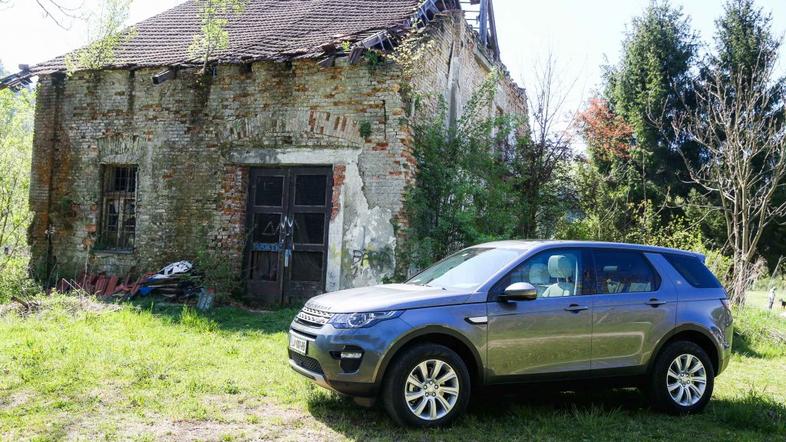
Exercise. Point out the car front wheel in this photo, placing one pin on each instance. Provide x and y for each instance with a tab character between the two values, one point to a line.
427	386
683	378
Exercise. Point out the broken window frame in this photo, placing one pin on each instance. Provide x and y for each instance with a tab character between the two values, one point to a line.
119	186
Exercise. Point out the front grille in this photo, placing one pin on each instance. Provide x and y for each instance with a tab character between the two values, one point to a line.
309	364
312	317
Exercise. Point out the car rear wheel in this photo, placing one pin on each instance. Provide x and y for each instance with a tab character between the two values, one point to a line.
683	378
427	386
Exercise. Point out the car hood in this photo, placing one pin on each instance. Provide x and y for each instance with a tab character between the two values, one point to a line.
386	297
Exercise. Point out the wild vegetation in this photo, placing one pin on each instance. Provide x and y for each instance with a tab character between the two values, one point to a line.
105	32
213	37
16	142
685	147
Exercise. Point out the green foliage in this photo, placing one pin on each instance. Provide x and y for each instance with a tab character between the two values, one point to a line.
638	188
461	195
105	34
600	216
214	16
759	333
16	144
365	129
373	57
744	39
346	46
646	89
15	280
214	270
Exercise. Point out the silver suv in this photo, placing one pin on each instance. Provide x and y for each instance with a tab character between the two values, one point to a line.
517	312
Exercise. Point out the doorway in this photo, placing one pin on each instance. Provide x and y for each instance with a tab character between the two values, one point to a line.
288	216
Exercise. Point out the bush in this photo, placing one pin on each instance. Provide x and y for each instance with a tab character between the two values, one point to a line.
15	281
461	195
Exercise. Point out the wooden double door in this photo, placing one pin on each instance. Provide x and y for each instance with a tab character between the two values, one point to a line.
288	216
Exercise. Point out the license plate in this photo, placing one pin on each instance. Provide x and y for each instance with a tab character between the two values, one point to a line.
297	344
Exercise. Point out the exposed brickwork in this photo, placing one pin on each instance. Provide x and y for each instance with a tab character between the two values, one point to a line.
194	140
339	171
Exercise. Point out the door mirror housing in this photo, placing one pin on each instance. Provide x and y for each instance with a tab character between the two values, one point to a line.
520	291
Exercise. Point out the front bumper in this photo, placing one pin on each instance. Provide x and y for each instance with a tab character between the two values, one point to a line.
322	363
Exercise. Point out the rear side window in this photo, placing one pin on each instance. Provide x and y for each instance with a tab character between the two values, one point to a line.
623	271
693	270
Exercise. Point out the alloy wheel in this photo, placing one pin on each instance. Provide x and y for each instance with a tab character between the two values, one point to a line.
431	389
686	380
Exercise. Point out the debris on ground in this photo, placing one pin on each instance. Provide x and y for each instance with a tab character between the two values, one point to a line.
176	282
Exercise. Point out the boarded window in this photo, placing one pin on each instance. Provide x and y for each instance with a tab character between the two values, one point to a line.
118	208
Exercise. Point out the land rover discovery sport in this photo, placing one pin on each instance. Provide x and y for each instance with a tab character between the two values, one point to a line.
517	312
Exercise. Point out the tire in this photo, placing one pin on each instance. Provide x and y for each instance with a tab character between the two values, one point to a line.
448	399
676	379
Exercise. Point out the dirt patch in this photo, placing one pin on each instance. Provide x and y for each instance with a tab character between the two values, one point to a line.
242	419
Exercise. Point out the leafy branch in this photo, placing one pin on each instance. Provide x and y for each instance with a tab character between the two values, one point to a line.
213	36
106	33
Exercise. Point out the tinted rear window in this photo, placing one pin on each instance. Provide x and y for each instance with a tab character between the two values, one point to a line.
623	271
694	271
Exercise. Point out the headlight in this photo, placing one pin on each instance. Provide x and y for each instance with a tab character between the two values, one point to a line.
361	320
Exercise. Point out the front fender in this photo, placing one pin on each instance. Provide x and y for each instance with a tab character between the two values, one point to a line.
449	322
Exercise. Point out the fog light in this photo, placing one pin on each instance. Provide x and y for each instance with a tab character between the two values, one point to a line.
351	355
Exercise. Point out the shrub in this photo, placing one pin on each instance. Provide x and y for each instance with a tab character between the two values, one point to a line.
15	281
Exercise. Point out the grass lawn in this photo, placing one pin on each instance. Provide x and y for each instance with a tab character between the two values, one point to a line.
153	373
758	298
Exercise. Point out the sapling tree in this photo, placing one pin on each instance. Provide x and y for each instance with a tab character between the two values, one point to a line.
106	32
213	36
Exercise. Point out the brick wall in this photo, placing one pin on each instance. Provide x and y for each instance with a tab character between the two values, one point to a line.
194	140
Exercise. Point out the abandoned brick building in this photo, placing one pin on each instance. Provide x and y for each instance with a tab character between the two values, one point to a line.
290	157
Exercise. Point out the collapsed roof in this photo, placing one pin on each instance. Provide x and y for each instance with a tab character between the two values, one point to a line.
275	30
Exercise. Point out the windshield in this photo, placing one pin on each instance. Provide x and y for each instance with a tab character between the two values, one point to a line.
467	269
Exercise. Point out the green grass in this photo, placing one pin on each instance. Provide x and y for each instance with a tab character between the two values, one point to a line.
758	298
152	372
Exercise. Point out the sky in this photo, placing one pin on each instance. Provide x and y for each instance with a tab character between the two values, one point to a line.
583	35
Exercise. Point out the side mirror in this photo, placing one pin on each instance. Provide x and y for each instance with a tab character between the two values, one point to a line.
520	291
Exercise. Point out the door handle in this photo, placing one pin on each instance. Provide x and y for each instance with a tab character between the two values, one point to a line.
655	302
575	308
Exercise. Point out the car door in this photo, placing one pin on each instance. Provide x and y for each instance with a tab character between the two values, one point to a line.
632	308
550	334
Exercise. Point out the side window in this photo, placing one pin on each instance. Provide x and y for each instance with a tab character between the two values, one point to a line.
553	273
693	270
118	208
624	271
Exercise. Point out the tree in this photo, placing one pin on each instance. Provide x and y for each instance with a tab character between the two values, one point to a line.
608	134
744	40
647	89
105	33
16	140
745	163
542	157
213	36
